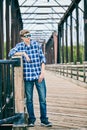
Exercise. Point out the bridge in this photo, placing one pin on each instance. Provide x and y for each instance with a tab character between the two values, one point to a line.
61	29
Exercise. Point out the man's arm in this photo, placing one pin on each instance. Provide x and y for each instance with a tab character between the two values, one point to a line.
24	54
15	51
41	77
42	68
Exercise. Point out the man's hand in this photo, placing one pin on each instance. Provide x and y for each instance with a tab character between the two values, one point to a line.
23	53
26	56
41	77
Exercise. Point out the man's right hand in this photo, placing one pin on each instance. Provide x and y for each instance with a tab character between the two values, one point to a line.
26	56
23	53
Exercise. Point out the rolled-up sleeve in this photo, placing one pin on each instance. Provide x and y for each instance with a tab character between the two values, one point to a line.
13	51
42	57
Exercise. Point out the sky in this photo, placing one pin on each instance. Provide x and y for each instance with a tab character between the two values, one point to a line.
47	28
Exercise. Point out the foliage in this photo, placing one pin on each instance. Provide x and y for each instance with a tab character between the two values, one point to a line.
81	54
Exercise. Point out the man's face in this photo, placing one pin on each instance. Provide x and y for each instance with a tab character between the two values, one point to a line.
26	37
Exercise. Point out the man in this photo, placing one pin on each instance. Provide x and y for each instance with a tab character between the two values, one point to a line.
33	72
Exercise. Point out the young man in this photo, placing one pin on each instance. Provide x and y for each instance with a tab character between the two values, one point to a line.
33	72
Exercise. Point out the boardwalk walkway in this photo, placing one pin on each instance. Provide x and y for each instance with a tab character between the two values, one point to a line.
67	104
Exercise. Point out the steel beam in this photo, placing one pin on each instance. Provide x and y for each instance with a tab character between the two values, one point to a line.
71	40
49	6
41	23
47	13
59	44
70	9
1	31
7	29
77	32
13	17
66	41
85	30
40	19
62	46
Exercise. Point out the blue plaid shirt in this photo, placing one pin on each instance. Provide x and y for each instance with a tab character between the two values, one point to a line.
31	69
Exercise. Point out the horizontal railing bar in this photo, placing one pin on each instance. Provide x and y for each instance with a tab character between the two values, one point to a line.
8	61
10	119
14	61
78	71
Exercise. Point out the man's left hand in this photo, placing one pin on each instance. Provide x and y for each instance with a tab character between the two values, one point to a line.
41	77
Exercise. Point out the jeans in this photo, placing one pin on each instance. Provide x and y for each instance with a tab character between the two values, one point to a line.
41	89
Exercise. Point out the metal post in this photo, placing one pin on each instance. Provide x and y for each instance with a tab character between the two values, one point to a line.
63	43
0	91
66	43
58	44
85	29
13	16
71	58
1	31
7	29
77	31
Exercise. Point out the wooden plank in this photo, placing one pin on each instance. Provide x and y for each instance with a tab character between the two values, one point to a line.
19	87
66	103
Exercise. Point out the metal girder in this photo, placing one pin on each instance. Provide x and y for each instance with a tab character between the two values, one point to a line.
41	30
40	18
70	9
85	30
41	23
49	6
42	13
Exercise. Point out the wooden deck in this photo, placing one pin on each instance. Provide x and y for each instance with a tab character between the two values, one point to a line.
66	104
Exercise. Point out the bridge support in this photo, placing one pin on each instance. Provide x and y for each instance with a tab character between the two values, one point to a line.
1	31
19	93
85	28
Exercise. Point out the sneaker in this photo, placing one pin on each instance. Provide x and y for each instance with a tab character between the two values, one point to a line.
31	124
46	123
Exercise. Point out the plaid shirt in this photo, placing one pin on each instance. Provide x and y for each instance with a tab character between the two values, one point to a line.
31	69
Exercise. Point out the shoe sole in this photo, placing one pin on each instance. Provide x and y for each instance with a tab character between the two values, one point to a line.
49	125
30	125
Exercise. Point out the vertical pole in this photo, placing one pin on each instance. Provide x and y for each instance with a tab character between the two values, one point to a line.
63	43
77	31
13	16
1	31
71	59
58	44
0	91
7	29
55	46
66	43
85	30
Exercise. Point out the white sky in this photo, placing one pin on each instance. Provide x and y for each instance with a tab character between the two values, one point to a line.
47	29
50	18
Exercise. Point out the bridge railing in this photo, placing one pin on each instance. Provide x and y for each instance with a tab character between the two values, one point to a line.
7	87
11	91
76	72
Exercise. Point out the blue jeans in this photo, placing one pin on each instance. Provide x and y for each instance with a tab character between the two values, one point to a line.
41	89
